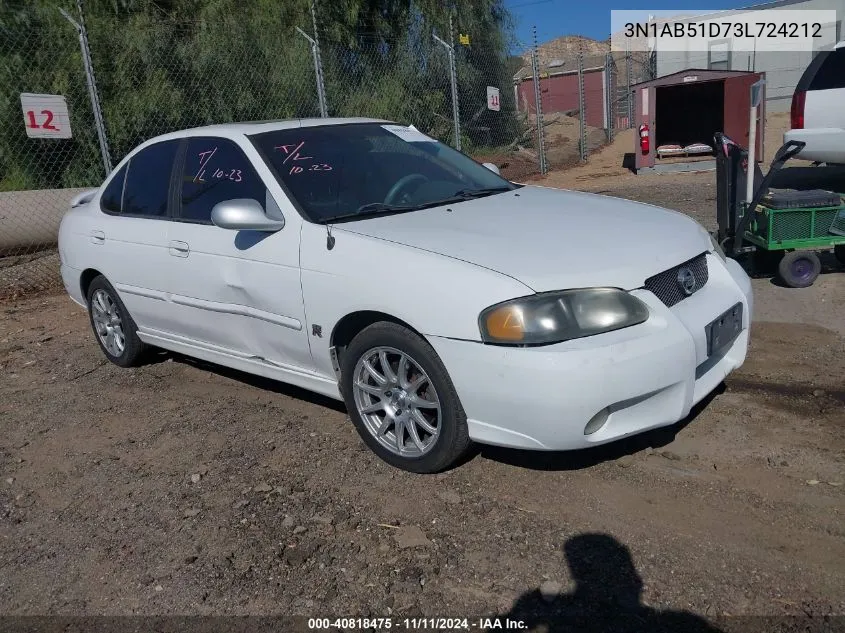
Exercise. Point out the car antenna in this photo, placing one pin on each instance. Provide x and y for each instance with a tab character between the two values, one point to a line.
329	237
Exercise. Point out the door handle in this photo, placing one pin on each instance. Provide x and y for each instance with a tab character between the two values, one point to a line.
179	249
98	237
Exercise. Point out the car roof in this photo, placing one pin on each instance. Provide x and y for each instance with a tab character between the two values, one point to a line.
246	128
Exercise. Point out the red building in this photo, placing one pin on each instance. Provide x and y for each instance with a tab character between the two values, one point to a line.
559	89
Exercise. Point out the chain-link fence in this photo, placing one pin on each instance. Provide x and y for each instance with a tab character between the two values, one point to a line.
40	54
127	76
585	101
174	75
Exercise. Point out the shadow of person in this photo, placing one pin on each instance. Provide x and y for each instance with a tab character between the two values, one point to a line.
606	598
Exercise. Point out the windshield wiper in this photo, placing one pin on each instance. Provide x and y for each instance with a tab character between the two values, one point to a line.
480	193
372	209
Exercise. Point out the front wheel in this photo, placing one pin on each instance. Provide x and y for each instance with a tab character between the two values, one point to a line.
799	269
401	399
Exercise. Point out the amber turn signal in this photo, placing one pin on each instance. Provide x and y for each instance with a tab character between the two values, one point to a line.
507	323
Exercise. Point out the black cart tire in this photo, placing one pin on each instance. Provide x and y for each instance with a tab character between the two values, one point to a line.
839	251
114	329
401	400
799	269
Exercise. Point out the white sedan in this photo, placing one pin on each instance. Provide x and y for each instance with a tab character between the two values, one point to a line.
442	303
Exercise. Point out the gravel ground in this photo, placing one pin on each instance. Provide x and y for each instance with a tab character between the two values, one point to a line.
184	488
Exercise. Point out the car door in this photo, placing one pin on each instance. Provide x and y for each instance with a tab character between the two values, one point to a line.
129	237
238	291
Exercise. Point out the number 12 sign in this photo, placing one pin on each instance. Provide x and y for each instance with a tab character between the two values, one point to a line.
45	116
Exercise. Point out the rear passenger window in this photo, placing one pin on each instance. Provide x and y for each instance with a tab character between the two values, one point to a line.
112	199
216	170
148	180
831	74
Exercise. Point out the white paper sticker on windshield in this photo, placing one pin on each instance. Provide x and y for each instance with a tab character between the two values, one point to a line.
409	134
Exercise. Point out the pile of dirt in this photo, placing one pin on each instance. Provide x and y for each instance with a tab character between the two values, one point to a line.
562	140
562	135
28	274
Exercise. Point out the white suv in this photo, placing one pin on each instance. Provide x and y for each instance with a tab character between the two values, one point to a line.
818	108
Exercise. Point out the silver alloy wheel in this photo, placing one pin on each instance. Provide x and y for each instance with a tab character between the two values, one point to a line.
107	322
397	401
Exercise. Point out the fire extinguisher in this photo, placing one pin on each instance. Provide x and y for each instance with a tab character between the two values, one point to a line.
644	143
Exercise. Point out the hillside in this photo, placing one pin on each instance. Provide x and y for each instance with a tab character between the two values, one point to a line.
566	48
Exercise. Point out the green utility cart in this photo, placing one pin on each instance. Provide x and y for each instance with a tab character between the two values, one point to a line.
783	226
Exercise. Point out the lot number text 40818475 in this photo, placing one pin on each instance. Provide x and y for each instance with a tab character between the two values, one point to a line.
416	624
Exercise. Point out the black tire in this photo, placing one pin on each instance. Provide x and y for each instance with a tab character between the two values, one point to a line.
133	348
452	440
839	251
799	269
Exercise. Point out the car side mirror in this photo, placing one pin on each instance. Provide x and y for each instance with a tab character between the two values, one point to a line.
243	214
492	168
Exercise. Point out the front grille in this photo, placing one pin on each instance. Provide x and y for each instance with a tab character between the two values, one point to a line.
668	289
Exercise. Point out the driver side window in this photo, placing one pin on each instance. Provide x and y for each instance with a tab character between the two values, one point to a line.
215	170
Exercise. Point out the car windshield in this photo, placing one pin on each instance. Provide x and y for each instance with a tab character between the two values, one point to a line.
360	170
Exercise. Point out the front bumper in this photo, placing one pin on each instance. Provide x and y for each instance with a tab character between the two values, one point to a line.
639	378
825	145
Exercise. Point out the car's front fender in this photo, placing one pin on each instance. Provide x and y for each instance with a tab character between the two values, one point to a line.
434	294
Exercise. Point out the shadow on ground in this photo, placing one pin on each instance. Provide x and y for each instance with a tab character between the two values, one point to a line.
607	597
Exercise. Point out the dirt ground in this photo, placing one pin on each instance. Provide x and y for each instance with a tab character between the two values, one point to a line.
184	488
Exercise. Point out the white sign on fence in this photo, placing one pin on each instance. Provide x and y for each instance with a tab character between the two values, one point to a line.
493	98
45	116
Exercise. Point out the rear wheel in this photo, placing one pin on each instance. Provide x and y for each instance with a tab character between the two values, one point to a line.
114	329
839	251
401	399
799	269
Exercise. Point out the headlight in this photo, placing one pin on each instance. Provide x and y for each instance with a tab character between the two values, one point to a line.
553	317
717	249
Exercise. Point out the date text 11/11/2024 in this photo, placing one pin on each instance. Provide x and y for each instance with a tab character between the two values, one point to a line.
416	624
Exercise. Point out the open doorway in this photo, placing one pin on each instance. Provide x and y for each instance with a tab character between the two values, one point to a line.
689	114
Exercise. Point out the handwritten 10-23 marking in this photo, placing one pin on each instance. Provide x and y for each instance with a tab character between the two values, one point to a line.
235	175
292	153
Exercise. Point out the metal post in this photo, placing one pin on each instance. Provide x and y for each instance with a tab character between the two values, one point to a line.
538	106
453	76
652	54
756	97
582	110
92	85
608	98
629	99
318	62
321	98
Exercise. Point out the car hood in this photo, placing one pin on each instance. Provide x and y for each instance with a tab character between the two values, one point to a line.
549	239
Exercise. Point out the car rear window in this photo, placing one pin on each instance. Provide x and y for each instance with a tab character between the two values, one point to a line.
831	73
112	199
148	181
